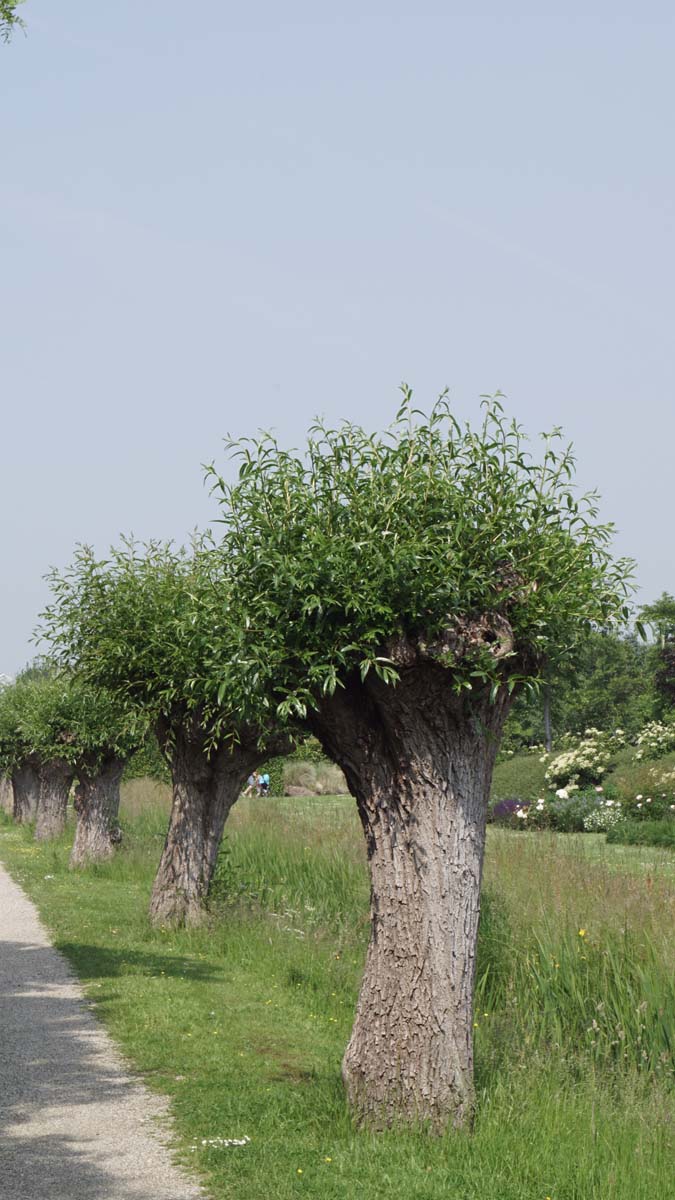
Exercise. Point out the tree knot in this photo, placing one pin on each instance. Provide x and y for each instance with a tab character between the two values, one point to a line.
463	639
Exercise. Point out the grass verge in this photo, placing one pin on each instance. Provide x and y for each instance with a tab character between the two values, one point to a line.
243	1023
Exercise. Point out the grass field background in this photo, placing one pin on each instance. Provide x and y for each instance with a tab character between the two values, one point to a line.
243	1023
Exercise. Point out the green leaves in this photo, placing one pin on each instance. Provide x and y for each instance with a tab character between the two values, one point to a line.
9	18
51	714
158	627
328	557
367	537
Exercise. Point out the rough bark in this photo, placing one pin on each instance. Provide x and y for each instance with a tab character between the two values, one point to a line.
26	788
205	786
56	778
97	802
419	761
6	794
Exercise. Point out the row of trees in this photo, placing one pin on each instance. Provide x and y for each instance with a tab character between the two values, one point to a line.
56	729
391	594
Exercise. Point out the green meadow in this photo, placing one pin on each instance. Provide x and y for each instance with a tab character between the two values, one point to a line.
243	1022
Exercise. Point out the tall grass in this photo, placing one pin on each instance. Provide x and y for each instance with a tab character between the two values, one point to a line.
572	957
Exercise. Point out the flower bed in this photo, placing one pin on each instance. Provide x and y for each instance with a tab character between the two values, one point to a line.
564	812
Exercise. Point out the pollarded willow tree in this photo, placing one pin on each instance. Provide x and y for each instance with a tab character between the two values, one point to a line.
39	750
399	589
154	626
18	762
102	734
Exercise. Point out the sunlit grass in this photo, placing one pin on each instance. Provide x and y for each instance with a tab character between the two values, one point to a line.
244	1022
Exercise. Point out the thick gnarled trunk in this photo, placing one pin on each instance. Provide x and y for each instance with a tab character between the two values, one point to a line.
26	790
97	803
56	778
410	1055
419	763
205	786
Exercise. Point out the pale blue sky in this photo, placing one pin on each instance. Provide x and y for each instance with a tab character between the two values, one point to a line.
222	216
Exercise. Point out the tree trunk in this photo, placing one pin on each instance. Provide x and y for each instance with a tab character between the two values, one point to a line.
56	778
97	804
6	795
205	786
26	788
419	761
548	734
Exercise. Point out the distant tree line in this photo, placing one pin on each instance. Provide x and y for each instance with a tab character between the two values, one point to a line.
612	679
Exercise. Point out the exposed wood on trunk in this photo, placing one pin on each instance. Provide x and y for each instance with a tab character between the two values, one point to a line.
26	789
419	761
97	802
56	778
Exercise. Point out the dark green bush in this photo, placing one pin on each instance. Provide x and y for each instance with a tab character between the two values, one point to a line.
649	808
644	833
148	762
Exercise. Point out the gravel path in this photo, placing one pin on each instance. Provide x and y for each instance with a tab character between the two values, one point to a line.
73	1124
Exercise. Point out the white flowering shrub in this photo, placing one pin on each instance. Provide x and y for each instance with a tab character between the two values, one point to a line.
660	779
655	740
604	817
584	762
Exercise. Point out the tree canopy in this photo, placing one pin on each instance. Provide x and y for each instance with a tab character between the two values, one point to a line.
660	617
454	537
15	744
605	682
9	18
157	626
54	716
